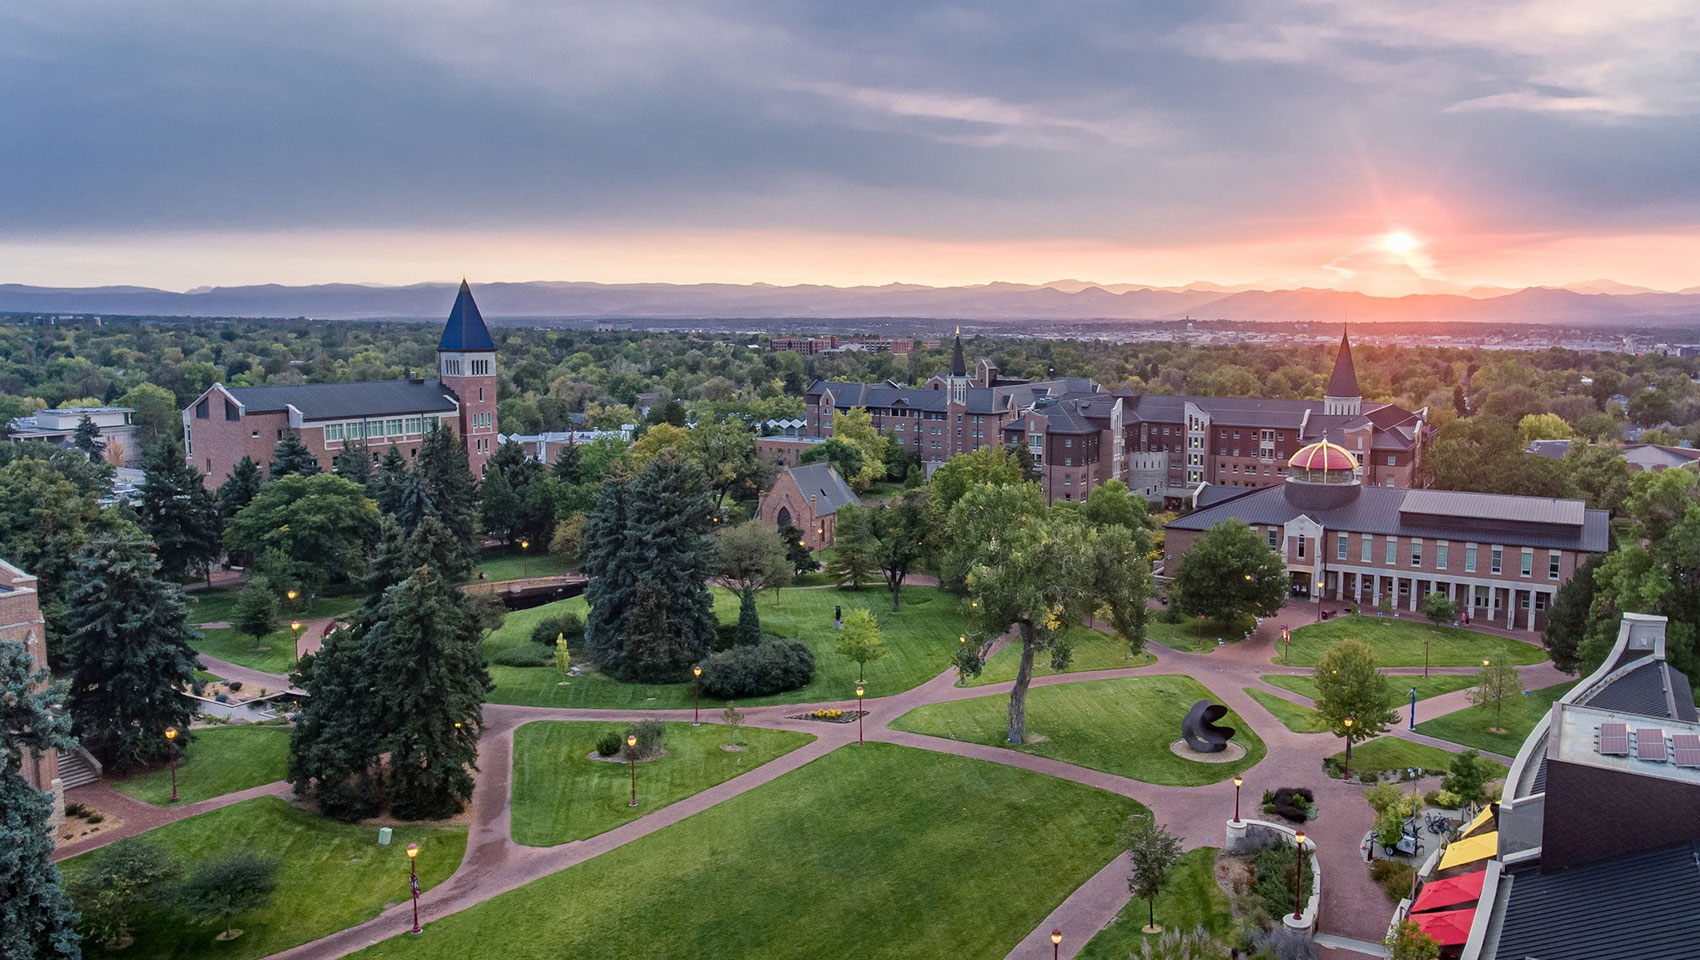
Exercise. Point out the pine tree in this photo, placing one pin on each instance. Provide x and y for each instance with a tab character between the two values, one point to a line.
240	488
37	919
500	508
448	486
337	740
128	644
852	562
390	481
431	681
292	456
667	521
797	550
87	438
605	560
567	465
178	512
749	622
354	462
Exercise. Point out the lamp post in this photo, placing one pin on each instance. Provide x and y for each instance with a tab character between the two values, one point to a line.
171	750
696	695
1056	943
413	880
1299	887
1413	708
1287	639
524	559
1238	782
1348	766
1425	656
859	712
1319	601
631	755
295	641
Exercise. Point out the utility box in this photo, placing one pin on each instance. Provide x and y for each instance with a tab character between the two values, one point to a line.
383	836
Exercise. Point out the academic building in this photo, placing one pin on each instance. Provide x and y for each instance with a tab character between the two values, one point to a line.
224	424
1501	558
20	622
1165	447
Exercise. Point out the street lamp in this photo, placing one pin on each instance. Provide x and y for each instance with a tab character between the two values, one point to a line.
1348	767
1238	782
859	712
1318	601
413	880
631	754
696	695
524	559
1413	708
1425	656
1286	638
1299	887
295	641
1056	943
171	749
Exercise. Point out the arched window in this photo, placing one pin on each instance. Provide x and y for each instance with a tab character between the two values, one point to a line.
783	517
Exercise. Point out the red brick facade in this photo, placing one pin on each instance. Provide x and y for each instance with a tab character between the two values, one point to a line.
20	622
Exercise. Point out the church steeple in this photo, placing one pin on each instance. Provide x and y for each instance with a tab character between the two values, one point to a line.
1343	396
465	330
958	366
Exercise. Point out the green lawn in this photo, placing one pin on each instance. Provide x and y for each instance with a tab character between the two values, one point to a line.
1191	900
877	852
1392	753
1093	650
502	564
272	653
219	605
1399	643
1294	717
1398	687
221	760
1470	726
920	639
1190	634
1120	726
560	794
332	876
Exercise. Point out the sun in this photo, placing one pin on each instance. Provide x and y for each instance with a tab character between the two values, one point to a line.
1399	242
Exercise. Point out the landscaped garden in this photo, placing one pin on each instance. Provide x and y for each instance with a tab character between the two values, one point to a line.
1398	686
1399	643
1123	726
1472	726
271	653
221	760
1194	634
330	876
877	851
1191	900
919	640
562	791
1385	754
1092	650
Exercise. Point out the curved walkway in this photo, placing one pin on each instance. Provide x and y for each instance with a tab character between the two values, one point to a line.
1353	907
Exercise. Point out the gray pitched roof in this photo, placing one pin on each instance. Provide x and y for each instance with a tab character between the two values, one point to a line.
347	401
1643	906
1343	382
822	482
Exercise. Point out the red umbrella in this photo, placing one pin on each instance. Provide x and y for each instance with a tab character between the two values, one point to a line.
1449	928
1450	892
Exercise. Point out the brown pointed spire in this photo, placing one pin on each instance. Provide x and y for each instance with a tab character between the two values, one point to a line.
1344	381
958	366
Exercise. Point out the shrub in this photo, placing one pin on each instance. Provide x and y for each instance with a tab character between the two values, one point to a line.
1369	776
1394	878
1332	767
568	625
1273	869
772	666
95	818
1442	799
235	686
649	735
1297	804
725	636
1283	943
609	744
525	655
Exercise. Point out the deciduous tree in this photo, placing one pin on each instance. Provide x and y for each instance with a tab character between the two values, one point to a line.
1440	608
861	640
1349	686
1495	682
1230	573
750	556
306	530
226	886
899	531
122	880
1152	852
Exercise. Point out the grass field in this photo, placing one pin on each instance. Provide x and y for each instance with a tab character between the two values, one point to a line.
331	876
877	852
1092	650
1399	643
219	604
1191	900
1294	717
221	760
1470	726
272	653
920	641
1398	687
1120	726
502	564
1190	634
1392	753
559	794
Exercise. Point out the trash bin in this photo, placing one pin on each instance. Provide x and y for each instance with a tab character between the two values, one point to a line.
383	836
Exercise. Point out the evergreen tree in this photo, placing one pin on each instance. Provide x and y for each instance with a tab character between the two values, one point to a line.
605	560
749	622
449	487
37	920
390	481
500	508
291	456
431	681
178	512
336	743
128	645
354	462
256	609
852	562
413	503
240	488
567	464
1567	617
797	550
87	438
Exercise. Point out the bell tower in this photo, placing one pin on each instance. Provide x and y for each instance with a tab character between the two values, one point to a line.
466	364
1343	397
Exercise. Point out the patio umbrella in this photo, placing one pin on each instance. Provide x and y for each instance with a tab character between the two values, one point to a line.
1450	892
1469	850
1449	928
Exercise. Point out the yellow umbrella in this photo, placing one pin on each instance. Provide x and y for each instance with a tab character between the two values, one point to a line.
1469	850
1481	819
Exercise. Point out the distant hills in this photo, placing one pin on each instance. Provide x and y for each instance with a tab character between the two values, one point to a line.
1595	302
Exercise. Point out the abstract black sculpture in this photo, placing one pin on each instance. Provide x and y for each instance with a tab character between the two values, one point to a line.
1200	729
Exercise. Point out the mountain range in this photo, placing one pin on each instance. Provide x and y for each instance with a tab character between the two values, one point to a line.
1596	302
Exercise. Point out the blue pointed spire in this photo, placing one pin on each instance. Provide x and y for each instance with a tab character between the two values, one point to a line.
465	329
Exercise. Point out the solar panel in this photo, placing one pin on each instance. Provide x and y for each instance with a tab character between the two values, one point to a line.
1650	744
1614	739
1685	749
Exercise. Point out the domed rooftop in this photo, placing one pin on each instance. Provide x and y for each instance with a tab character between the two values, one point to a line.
1321	456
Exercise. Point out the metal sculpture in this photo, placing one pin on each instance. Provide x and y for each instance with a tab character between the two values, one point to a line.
1200	729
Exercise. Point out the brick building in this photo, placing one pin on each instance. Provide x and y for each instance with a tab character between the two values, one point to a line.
808	498
20	622
1165	447
225	424
1502	558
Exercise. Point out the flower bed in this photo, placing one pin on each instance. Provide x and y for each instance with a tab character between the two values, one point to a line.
829	715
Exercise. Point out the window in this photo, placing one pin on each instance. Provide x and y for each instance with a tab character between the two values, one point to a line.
203	411
480	394
1440	550
415	425
1498	560
333	433
1301	546
1367	548
232	411
1470	558
1552	565
1068	441
1416	553
1540	601
393	428
1340	548
1528	568
1390	460
1392	548
1274	539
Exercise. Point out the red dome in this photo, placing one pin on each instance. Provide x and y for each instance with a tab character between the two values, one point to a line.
1323	455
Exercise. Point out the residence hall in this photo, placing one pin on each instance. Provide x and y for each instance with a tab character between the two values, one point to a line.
1165	447
225	424
1501	558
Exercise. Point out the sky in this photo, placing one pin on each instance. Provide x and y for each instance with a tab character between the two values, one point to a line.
1377	145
